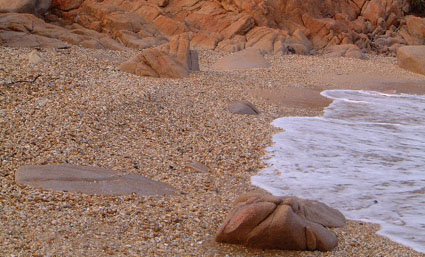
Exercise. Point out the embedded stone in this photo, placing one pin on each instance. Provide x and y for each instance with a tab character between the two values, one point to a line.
89	180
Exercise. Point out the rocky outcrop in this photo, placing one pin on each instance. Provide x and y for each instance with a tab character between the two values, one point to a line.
412	58
274	27
26	30
173	60
269	222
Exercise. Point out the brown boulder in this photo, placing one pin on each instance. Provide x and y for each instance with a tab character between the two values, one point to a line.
173	60
416	28
412	58
289	223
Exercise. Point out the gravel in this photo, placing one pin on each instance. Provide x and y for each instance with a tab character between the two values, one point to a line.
77	107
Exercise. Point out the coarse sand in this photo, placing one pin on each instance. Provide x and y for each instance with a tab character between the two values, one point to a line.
77	107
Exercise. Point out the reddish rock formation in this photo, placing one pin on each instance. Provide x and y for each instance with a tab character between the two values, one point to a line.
26	30
275	27
269	222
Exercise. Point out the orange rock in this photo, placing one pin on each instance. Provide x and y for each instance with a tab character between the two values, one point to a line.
205	41
412	58
174	60
160	3
168	26
268	222
266	39
66	5
235	44
416	28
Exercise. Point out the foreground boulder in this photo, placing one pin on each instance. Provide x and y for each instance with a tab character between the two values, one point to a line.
89	180
289	223
173	60
412	58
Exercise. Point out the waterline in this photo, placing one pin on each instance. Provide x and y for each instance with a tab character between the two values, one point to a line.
365	157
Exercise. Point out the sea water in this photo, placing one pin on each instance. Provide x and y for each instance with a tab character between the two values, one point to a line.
365	157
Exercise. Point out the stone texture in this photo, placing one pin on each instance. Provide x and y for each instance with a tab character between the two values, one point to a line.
173	60
268	222
348	50
243	60
205	41
198	166
416	28
274	27
38	7
243	107
26	30
66	5
89	180
412	58
34	57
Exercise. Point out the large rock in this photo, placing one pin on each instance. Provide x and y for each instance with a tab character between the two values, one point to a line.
89	180
247	59
412	58
26	30
38	7
289	223
416	28
173	60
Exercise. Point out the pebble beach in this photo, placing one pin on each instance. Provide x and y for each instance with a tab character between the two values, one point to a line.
77	107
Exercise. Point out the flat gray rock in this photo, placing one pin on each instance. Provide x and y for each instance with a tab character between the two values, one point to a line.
89	180
243	107
249	58
198	166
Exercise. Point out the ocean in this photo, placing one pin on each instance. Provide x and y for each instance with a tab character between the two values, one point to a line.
365	157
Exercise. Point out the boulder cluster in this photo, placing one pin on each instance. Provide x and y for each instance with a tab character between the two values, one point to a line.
273	27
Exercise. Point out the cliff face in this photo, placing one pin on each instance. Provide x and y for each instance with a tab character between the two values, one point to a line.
274	26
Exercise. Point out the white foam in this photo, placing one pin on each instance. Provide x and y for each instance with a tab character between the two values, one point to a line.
365	157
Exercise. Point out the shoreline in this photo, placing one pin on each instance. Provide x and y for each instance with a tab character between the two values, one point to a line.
383	230
82	110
